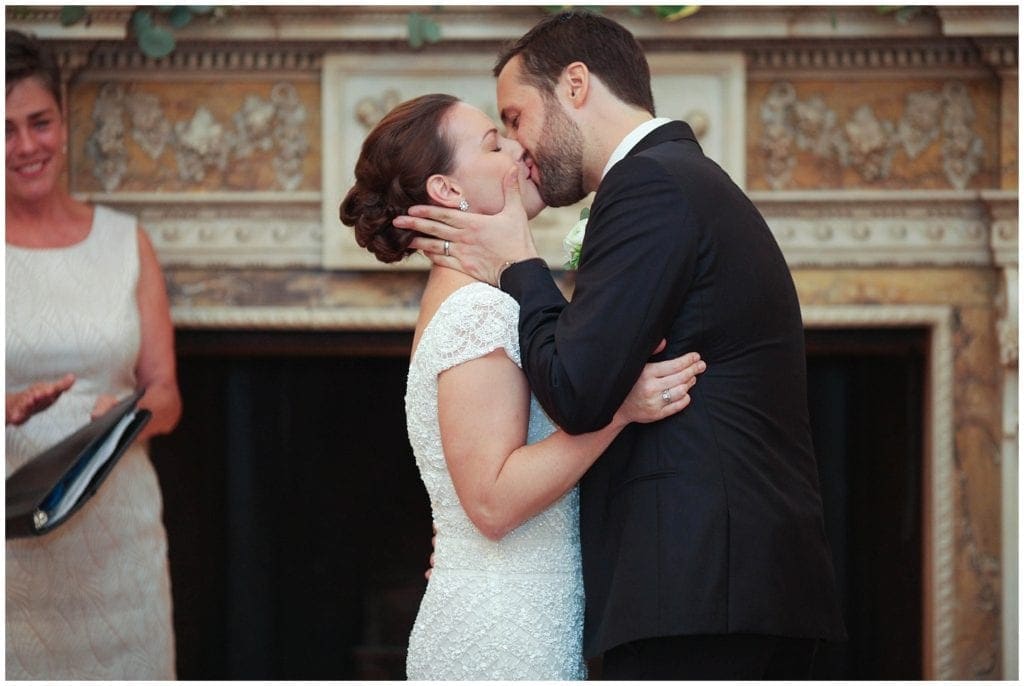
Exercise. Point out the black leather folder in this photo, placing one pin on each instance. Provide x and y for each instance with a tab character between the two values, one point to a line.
47	490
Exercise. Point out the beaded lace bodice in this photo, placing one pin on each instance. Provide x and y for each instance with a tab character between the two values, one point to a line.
508	609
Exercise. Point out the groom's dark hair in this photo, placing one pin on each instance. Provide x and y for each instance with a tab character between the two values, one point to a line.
606	47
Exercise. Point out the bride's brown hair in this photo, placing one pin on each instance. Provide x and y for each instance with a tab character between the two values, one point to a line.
402	151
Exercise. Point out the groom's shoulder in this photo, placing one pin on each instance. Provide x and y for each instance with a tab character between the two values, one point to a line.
662	160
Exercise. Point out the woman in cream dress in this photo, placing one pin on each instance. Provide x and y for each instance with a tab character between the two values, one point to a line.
87	323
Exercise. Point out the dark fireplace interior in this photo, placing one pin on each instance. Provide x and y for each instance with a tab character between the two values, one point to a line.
299	530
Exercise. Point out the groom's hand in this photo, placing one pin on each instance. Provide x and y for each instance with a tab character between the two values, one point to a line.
478	244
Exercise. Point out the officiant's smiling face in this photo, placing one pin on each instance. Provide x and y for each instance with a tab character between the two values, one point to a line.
482	158
36	136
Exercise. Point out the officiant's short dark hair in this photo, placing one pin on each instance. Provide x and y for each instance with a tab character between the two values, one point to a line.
27	57
607	48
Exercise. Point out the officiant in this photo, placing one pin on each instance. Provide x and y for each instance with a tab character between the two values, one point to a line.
87	323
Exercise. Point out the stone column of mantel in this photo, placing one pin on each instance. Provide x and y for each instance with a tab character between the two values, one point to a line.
1003	208
1001	56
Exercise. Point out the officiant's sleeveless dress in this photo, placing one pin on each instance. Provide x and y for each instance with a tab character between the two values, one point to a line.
90	600
511	609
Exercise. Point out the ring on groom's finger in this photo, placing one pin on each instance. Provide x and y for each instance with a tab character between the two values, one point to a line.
447	248
666	395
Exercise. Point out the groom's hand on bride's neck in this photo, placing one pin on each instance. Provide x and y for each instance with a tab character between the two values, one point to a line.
480	245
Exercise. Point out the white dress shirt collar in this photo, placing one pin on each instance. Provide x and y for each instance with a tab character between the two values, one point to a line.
631	139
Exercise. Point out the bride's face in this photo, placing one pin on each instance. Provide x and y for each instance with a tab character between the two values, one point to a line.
482	159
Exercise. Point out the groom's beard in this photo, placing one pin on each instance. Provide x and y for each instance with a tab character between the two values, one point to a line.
559	156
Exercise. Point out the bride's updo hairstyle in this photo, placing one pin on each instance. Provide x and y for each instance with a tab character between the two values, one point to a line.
404	149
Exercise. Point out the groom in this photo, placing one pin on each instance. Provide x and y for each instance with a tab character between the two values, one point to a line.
704	553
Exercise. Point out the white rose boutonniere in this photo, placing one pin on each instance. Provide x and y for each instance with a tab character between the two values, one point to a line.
573	241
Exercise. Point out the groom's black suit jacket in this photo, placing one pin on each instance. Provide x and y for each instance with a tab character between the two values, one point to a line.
710	521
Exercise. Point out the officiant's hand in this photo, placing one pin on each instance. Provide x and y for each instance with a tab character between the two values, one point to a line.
103	403
36	398
480	245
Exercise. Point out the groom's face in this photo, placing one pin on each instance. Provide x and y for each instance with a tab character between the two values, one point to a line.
553	142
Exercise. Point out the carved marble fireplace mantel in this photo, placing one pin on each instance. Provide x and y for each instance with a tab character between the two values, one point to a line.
264	272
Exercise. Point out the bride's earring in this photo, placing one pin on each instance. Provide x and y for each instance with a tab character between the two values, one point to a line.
463	205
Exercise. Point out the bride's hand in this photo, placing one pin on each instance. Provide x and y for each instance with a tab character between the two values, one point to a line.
662	390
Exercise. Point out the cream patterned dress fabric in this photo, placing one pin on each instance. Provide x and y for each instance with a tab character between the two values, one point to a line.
90	600
511	609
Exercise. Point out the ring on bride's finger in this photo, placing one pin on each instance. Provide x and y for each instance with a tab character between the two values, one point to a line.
666	395
447	248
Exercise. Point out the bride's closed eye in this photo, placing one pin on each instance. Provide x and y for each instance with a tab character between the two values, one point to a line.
493	134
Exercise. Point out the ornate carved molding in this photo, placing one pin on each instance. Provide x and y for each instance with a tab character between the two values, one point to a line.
232	230
865	142
999	54
878	228
1002	207
124	61
945	56
122	114
297	318
814	228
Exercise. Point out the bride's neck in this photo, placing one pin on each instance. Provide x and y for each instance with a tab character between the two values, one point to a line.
447	279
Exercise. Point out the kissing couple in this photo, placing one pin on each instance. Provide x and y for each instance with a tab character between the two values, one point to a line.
590	498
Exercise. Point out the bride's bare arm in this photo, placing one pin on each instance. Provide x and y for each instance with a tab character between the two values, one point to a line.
483	408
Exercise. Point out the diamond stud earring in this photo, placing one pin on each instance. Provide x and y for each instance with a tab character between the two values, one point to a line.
463	205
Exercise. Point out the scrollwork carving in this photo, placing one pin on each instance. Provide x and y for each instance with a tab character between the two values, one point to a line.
866	143
292	144
962	150
201	143
871	144
105	146
919	126
371	110
780	134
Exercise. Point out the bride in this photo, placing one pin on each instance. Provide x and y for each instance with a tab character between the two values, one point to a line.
505	598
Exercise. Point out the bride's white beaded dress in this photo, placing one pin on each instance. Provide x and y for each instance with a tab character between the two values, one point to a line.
508	609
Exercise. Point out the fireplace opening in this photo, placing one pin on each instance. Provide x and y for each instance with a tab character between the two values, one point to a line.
299	530
866	399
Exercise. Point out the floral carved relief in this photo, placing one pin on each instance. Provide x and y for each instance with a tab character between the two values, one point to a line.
866	141
371	110
201	144
105	147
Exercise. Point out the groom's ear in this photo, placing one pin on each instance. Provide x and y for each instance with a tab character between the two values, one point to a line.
442	191
576	81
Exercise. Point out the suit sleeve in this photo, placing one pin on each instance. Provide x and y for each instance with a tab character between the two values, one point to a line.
638	260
